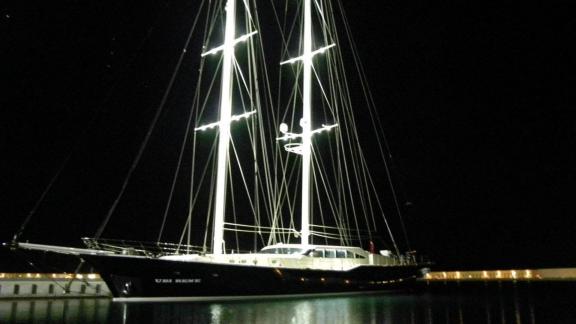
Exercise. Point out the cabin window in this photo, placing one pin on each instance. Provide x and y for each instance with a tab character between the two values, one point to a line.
83	289
98	287
283	251
330	253
34	289
16	289
317	253
341	254
51	289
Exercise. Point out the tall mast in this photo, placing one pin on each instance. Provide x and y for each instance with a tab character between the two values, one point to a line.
224	136
305	148
306	121
226	118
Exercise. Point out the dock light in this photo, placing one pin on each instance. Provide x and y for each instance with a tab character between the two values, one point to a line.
513	272
498	274
2	275
91	276
485	274
528	274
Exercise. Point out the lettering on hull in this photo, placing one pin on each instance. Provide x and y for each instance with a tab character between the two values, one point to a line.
177	281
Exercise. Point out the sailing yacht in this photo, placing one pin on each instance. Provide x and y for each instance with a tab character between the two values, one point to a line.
308	255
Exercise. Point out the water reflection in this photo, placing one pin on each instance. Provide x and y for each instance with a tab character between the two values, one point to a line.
505	305
92	310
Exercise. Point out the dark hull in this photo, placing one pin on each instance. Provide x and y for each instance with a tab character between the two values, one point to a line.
129	276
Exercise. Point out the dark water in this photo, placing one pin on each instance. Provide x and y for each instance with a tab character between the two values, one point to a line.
516	304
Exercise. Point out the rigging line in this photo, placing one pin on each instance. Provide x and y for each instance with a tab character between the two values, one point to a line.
367	177
334	103
284	47
246	225
283	26
334	77
320	168
294	93
261	163
361	172
233	226
363	161
317	191
268	96
385	219
375	120
357	154
100	109
349	191
247	11
294	173
283	196
209	26
240	79
324	94
284	161
245	183
275	190
233	201
210	204
292	204
339	155
341	139
370	104
142	148
320	13
186	225
252	127
338	217
342	92
240	230
41	199
175	177
208	29
184	141
203	176
334	235
292	29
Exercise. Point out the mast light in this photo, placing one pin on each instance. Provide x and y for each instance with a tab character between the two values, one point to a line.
232	118
240	39
288	135
309	56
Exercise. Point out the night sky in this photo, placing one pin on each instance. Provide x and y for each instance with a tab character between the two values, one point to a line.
476	99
